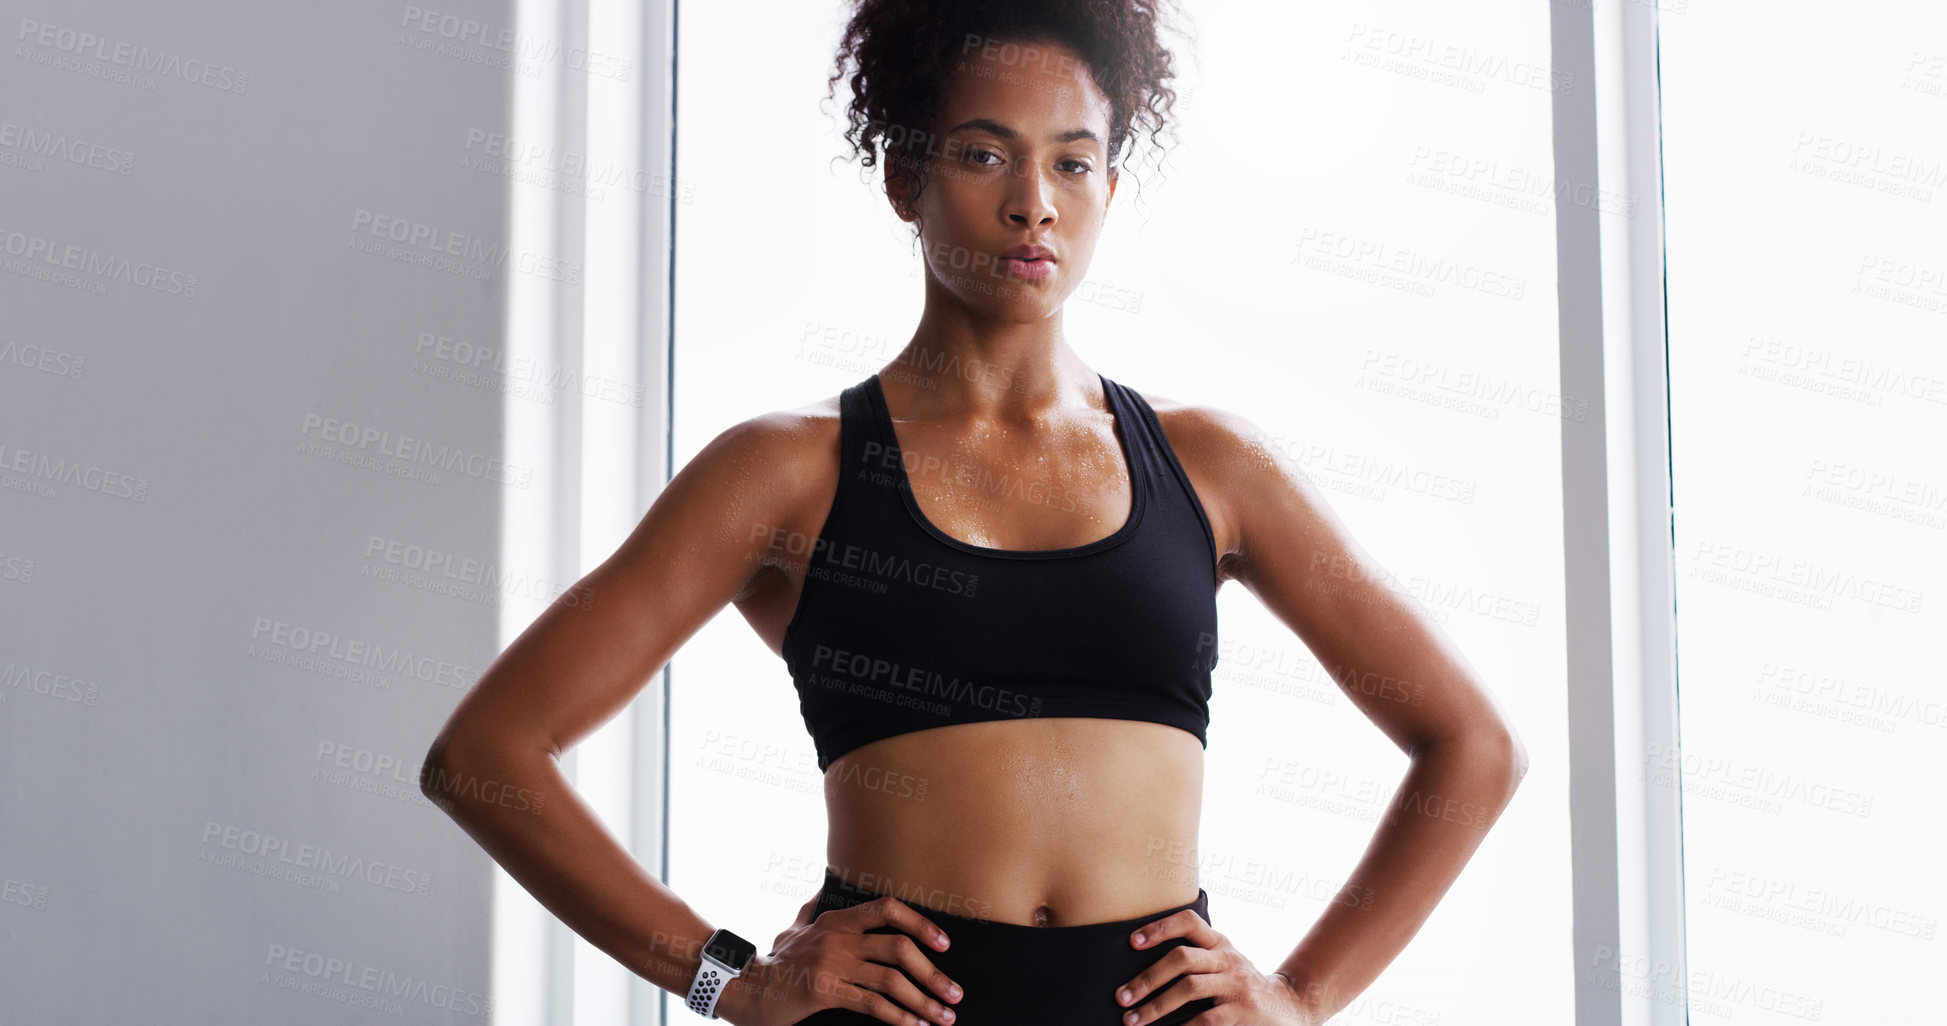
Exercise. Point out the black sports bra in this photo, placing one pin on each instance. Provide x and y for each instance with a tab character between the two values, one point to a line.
902	627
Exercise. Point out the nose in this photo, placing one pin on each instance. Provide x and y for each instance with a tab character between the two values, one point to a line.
1030	200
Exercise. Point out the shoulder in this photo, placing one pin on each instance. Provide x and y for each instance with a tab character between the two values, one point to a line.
783	458
777	441
777	472
1271	508
1230	460
1210	430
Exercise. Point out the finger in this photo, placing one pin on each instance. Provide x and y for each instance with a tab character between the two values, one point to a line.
1183	923
890	911
901	950
1173	996
878	1006
888	980
1174	963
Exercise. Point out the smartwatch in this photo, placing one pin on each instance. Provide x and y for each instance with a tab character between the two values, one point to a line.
724	957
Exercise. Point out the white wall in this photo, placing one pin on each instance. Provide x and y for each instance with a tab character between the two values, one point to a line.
188	296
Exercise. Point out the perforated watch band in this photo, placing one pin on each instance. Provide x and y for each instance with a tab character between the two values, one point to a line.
711	977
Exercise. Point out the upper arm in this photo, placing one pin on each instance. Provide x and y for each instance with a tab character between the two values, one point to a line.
1294	553
700	545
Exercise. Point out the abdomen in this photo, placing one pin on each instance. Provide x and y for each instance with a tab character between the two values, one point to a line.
1093	819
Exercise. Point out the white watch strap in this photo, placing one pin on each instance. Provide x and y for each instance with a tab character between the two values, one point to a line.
711	977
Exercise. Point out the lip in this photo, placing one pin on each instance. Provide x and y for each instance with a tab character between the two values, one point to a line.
1031	270
1026	251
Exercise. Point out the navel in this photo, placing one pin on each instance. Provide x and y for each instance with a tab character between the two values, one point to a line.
1042	914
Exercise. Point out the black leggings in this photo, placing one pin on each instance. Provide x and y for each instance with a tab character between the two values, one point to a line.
1015	975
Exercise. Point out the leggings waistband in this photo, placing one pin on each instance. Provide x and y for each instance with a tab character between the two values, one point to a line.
1021	975
840	893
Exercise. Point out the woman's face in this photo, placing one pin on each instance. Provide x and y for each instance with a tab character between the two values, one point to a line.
1020	158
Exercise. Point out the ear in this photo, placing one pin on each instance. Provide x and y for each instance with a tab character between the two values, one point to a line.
1114	173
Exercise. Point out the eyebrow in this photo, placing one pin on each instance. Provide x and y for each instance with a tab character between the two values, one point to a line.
996	128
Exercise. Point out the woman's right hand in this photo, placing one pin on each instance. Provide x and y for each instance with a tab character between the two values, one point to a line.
830	961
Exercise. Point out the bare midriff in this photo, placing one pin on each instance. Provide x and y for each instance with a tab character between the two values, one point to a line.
1040	822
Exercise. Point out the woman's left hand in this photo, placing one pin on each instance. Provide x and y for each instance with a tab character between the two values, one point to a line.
1209	967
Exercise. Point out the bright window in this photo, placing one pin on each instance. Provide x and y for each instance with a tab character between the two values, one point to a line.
1806	187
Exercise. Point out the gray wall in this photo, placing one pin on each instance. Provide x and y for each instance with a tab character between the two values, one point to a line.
218	672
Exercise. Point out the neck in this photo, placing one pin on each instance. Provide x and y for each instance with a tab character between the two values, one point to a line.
1004	370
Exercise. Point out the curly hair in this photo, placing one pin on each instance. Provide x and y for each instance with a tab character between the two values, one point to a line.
900	54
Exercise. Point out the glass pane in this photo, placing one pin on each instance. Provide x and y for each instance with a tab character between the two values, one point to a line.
1353	248
1807	201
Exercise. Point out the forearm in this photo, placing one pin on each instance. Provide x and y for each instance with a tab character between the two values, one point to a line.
1451	794
521	808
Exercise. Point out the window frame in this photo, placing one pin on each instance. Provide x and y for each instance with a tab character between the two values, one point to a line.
1618	533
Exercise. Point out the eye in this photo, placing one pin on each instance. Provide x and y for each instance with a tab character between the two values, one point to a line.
973	152
1082	165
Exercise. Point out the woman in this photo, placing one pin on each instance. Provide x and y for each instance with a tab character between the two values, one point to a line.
992	574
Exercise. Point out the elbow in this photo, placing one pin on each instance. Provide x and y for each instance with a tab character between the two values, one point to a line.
1508	742
467	772
444	767
433	771
1493	756
1496	745
1513	755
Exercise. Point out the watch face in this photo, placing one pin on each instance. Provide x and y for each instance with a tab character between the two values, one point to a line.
730	949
